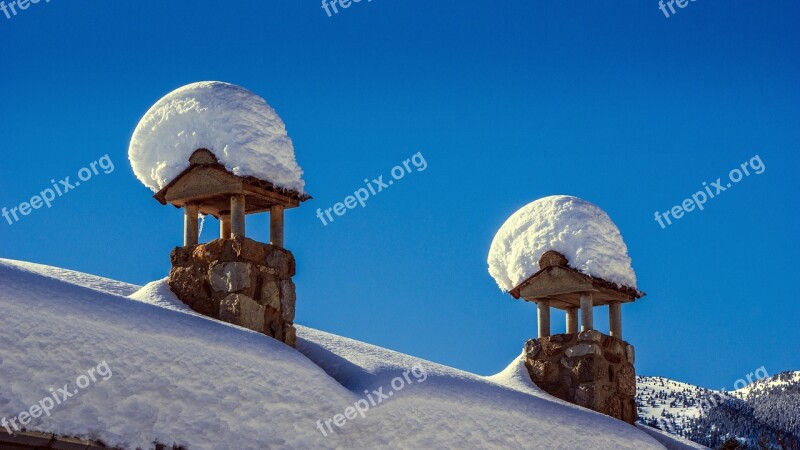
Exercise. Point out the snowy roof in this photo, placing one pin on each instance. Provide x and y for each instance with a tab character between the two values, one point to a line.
181	378
577	229
245	134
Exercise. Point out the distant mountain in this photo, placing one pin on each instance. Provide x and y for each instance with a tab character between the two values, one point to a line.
762	415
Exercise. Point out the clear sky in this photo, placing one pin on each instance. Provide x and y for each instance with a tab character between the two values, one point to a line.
507	102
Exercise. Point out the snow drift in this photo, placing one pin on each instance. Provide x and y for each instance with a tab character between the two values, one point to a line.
180	378
239	127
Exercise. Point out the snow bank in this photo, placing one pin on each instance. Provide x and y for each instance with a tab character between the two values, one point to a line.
176	378
574	227
516	376
189	380
238	126
159	293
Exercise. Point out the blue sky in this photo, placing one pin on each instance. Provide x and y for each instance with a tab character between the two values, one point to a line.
609	101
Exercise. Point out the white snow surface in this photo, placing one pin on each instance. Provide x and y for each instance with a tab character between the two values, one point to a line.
238	126
670	441
180	378
79	278
579	230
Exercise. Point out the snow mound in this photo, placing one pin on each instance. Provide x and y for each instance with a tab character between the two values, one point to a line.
159	293
569	225
238	126
516	376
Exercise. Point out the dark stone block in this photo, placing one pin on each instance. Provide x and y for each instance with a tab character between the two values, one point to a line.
626	380
588	369
280	259
189	284
206	308
584	395
551	348
613	406
532	348
181	256
543	372
613	350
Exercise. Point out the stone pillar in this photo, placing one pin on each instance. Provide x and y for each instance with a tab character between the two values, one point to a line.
615	319
544	318
225	225
572	320
276	225
237	215
191	230
587	319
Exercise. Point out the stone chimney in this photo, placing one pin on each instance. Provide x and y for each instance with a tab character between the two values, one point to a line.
586	367
234	279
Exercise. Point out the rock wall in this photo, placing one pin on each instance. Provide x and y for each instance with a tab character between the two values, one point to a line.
588	369
239	281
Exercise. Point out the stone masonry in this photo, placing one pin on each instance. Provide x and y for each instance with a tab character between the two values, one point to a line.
588	369
239	281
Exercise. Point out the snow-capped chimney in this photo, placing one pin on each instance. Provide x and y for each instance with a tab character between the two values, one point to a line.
217	149
233	278
565	253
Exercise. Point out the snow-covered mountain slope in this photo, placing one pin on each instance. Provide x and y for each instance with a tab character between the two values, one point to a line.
783	381
762	413
178	378
659	398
